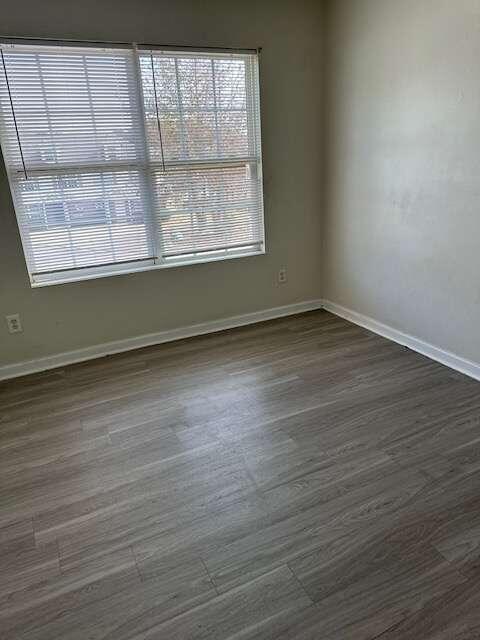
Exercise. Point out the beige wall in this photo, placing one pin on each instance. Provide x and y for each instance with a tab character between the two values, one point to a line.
402	232
66	317
400	216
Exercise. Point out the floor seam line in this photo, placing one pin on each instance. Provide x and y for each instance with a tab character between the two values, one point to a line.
209	576
300	583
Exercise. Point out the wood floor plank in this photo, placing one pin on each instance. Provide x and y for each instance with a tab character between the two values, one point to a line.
105	599
381	586
23	570
17	536
247	606
294	531
300	479
452	615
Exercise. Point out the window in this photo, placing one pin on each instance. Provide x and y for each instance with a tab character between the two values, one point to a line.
122	159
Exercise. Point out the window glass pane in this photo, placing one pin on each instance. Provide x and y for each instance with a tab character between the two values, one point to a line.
202	107
208	209
73	106
78	220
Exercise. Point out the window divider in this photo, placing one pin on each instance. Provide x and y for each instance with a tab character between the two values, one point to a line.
155	236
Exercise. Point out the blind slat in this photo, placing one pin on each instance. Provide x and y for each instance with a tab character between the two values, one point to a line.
130	155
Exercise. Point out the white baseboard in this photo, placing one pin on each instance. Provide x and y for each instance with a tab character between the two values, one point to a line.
119	346
447	358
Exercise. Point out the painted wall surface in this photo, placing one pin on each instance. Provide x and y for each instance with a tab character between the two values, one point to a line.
71	316
402	231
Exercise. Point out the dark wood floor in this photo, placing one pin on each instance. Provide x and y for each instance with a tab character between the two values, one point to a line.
299	479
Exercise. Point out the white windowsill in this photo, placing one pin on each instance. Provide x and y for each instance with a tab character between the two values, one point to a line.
107	272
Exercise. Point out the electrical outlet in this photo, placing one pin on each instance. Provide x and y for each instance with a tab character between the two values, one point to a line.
282	275
14	323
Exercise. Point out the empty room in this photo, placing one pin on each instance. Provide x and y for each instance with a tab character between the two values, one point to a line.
240	320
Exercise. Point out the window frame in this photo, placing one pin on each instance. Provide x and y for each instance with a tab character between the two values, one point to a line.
154	235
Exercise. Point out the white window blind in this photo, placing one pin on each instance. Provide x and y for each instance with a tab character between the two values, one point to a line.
127	158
